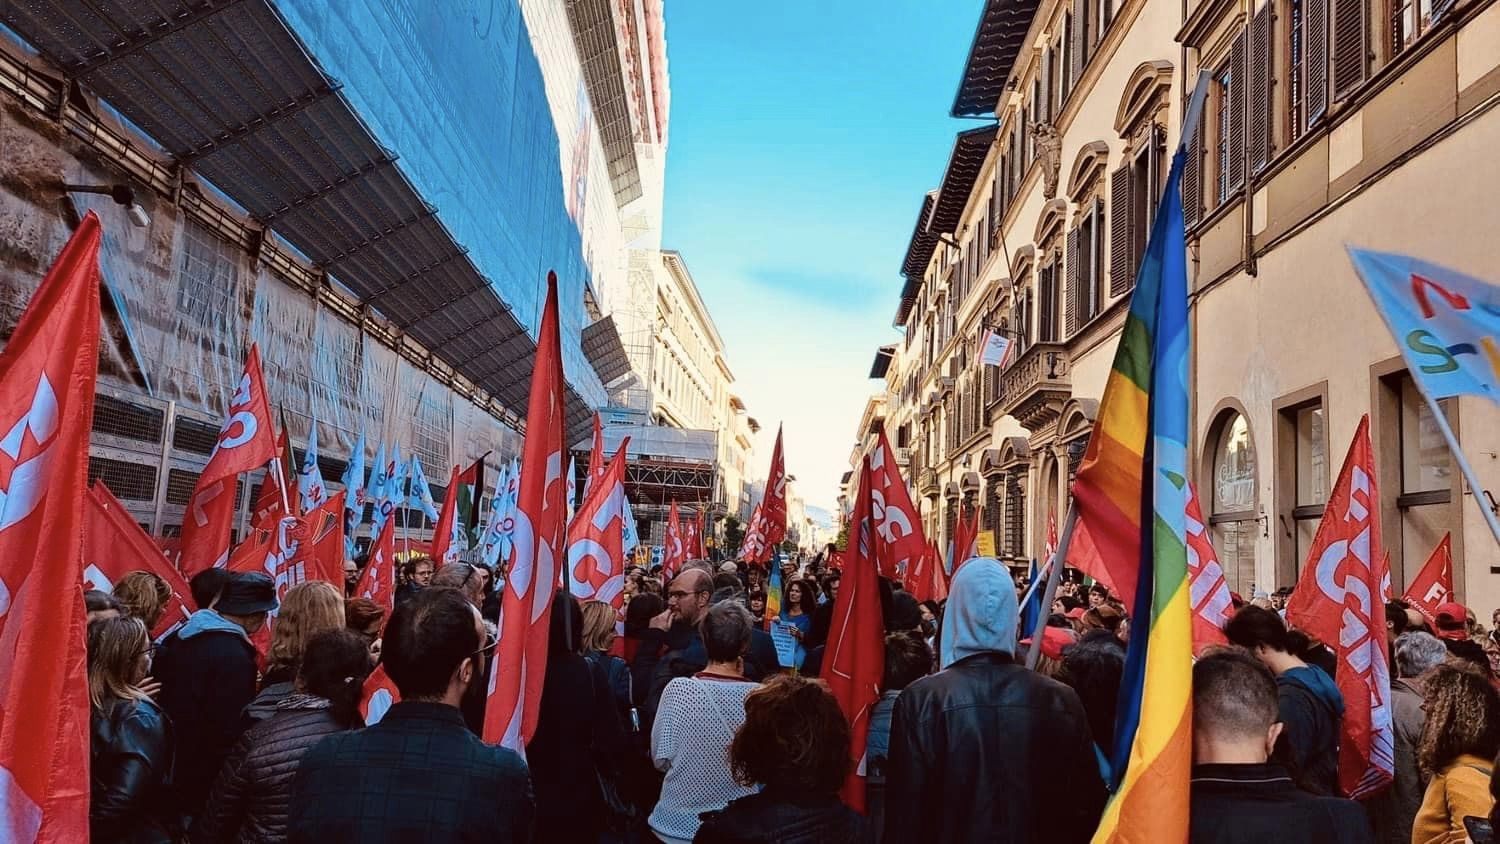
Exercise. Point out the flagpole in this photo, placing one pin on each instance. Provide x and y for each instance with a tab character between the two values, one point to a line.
280	480
1053	578
1463	463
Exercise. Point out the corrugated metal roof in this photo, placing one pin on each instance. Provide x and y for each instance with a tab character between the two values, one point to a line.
601	343
943	209
228	89
997	41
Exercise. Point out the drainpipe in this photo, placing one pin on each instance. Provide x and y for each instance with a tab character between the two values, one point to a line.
1249	266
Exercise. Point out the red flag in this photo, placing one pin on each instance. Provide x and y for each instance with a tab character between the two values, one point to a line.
596	454
245	443
114	546
700	535
526	609
377	695
965	538
929	582
1434	583
836	560
47	375
378	581
773	504
899	541
267	509
856	638
443	549
596	542
1340	599
939	577
753	548
673	554
298	549
1208	592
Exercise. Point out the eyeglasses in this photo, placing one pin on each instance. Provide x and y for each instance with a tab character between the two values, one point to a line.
490	641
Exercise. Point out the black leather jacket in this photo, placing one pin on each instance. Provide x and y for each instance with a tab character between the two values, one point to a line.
131	753
784	817
986	750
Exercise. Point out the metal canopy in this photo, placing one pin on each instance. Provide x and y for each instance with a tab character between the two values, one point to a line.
228	89
997	41
602	346
593	25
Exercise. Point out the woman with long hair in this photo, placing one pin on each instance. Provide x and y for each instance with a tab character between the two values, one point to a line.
794	746
798	604
598	639
250	798
143	595
309	608
130	737
1457	748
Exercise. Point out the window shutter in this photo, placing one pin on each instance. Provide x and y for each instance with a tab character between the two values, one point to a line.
1260	90
1074	292
1121	227
1236	104
1192	179
1350	53
1080	15
1315	49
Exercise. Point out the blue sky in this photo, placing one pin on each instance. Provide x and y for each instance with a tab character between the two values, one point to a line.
803	136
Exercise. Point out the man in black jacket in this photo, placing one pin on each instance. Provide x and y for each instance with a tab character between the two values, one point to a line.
986	750
208	675
1237	797
419	774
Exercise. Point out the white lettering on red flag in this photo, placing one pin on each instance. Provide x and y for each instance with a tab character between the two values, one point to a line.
47	382
1340	599
596	553
900	543
1434	583
114	546
1207	589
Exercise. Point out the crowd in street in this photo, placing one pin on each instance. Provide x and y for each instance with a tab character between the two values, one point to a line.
690	727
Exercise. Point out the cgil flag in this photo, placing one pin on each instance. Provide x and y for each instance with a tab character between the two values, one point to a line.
47	380
1340	599
964	543
114	546
773	503
377	695
378	581
673	552
856	637
596	455
1434	583
515	691
899	542
246	442
596	554
1131	497
1208	591
309	478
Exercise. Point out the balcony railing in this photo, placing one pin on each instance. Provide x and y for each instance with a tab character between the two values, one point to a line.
903	456
1034	387
927	482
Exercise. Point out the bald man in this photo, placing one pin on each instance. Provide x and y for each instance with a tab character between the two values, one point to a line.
672	646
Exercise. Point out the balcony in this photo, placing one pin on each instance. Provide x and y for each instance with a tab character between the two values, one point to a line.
927	483
903	456
1034	388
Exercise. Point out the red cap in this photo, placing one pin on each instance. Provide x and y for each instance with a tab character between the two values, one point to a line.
1075	613
1054	639
1452	621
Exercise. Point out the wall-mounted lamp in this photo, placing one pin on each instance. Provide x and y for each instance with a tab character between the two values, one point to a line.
122	195
1265	522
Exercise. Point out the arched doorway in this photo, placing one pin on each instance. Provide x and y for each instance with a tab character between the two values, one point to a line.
1231	500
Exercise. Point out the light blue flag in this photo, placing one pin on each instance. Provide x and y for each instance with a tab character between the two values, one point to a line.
420	492
379	493
631	538
355	494
489	541
309	478
1446	324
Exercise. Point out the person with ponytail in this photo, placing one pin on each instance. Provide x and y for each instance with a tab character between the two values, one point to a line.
250	798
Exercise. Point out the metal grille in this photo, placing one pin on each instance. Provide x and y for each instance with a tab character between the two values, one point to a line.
432	431
205	276
180	483
120	418
128	481
193	436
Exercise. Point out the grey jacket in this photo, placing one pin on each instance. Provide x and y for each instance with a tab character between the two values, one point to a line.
1394	811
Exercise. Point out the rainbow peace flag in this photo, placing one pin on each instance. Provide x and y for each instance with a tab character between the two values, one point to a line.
1131	496
773	587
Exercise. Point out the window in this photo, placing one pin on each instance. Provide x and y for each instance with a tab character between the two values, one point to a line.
1047	310
1425	464
1225	124
1296	109
1310	471
1105	14
1411	19
1065	60
1086	272
1232	519
1049	83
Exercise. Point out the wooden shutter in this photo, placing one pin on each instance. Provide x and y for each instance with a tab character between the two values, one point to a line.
1350	50
1192	179
1236	105
1260	90
1080	27
1074	290
1315	51
1121	229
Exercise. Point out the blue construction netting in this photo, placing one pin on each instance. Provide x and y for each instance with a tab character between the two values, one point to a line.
454	88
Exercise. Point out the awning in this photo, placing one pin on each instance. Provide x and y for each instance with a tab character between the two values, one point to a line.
229	90
943	209
602	346
882	364
997	41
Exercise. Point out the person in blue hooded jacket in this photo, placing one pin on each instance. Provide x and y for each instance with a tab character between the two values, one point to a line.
1311	709
985	750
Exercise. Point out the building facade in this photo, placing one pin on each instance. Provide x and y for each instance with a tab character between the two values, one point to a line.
1328	122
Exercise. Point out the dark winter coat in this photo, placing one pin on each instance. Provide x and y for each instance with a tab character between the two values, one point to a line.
1310	709
418	775
130	757
249	799
207	673
986	750
577	727
1241	804
776	816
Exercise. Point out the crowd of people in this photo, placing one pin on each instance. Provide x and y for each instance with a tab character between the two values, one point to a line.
694	726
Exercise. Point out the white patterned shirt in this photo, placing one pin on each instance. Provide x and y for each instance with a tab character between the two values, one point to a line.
695	723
